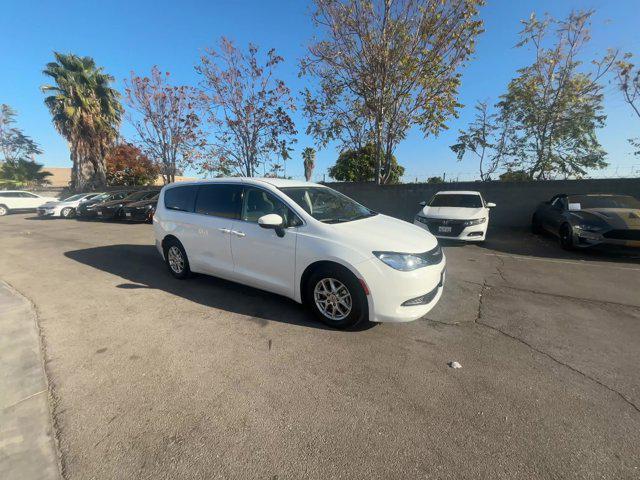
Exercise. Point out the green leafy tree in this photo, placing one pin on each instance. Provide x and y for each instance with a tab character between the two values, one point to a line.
22	173
628	80
384	66
360	166
86	111
128	166
556	103
515	176
14	144
309	161
433	180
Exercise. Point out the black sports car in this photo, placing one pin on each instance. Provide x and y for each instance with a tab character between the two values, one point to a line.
113	208
586	220
88	209
141	211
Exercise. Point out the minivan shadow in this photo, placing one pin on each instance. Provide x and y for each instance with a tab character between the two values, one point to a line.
142	267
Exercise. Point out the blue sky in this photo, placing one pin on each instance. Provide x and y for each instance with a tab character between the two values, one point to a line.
135	35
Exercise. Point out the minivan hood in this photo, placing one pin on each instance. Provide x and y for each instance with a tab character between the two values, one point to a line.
453	213
383	233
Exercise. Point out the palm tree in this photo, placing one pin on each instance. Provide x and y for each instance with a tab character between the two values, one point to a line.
86	111
309	158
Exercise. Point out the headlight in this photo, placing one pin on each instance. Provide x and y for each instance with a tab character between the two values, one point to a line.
405	262
588	228
476	221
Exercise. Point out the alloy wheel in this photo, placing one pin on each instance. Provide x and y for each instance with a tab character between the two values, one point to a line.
176	260
3	211
333	299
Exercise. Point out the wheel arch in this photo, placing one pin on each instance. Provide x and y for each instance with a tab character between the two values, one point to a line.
315	266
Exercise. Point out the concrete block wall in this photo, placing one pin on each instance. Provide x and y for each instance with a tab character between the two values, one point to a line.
515	201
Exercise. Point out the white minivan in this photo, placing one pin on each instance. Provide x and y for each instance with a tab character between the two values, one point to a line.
304	241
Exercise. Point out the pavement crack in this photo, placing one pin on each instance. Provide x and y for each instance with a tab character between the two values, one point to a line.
479	321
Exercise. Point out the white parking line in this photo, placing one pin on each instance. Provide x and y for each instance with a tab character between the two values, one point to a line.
582	263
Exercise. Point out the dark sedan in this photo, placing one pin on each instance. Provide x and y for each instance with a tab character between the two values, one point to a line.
586	220
113	208
89	209
141	211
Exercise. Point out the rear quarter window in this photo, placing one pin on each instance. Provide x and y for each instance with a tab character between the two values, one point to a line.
180	198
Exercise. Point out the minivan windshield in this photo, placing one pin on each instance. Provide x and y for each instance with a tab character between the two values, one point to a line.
327	205
460	200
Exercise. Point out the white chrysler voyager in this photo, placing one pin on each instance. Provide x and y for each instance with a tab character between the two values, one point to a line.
304	241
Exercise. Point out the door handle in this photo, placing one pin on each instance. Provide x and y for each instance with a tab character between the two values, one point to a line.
224	230
238	234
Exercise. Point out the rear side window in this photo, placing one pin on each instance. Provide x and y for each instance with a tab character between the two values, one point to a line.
219	200
180	198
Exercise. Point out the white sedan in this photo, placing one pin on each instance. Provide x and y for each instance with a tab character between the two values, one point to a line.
64	208
16	200
457	215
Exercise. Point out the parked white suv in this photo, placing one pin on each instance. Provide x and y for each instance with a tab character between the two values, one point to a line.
304	241
457	215
64	208
15	200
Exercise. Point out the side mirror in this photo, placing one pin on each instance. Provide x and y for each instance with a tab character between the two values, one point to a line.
272	221
491	205
423	204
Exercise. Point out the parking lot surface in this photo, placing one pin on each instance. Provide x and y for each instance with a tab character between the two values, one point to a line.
158	378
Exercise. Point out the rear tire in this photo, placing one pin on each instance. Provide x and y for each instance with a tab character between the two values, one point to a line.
536	229
336	297
66	212
3	211
176	259
566	237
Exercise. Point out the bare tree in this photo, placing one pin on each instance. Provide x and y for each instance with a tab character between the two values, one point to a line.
166	121
384	66
248	108
487	138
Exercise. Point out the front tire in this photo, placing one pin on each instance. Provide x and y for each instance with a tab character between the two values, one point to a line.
566	237
336	297
176	259
66	212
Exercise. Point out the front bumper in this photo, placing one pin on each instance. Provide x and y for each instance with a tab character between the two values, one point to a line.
622	238
46	212
456	229
390	288
137	214
107	213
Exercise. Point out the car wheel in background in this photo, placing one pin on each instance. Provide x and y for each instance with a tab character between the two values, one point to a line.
66	212
336	297
3	210
566	236
536	228
176	259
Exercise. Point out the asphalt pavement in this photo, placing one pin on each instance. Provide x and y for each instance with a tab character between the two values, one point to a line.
159	378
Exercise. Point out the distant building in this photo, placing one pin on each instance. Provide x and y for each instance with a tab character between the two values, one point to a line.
60	177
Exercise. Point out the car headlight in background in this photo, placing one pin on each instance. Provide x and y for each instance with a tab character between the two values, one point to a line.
588	228
475	221
406	262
